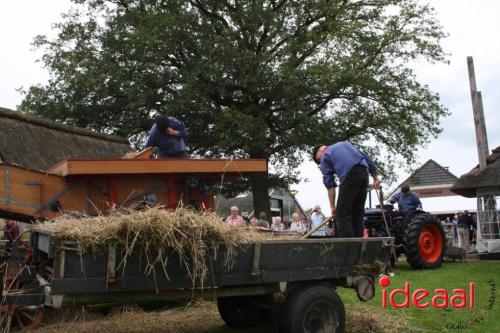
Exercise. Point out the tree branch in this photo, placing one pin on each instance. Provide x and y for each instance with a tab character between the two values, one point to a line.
197	4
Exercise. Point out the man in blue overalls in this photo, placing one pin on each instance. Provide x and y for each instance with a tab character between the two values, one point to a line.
407	201
351	166
168	135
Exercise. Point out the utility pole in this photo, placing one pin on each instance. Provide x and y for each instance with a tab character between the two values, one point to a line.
479	123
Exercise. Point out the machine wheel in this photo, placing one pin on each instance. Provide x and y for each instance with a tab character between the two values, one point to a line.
312	309
240	312
24	317
21	251
424	242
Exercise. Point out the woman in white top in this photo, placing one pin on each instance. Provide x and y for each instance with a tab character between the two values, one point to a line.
297	225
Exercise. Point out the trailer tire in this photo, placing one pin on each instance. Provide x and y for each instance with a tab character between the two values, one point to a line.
241	312
312	309
424	242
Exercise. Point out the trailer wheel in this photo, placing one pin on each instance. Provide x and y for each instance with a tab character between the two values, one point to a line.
240	312
312	309
424	242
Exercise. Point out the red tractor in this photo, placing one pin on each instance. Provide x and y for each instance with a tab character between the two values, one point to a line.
419	236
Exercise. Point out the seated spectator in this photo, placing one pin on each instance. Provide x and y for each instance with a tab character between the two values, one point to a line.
286	222
262	222
277	226
253	222
317	218
297	225
235	219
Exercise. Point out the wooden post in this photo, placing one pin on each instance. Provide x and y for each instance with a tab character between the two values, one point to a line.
477	109
113	191
172	193
482	126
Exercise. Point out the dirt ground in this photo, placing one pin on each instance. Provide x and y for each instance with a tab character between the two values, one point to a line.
193	319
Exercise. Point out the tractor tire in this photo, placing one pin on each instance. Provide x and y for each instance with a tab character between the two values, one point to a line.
241	312
424	242
312	309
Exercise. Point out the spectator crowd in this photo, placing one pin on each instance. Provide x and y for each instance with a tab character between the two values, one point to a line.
295	223
461	229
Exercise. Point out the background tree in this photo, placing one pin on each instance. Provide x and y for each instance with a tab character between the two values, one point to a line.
251	78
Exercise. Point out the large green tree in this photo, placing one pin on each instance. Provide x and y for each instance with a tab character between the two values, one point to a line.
251	78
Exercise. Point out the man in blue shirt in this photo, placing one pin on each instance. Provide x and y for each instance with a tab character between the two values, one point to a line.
351	166
408	201
168	134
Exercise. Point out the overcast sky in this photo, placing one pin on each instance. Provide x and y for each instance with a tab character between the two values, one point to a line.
473	28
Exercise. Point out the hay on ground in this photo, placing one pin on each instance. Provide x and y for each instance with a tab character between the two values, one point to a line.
204	317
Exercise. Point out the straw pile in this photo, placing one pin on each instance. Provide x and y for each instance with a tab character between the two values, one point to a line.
204	317
155	232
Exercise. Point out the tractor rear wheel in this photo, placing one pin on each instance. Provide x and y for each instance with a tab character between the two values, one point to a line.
424	242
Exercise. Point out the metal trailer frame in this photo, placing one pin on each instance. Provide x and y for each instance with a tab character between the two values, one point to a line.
73	275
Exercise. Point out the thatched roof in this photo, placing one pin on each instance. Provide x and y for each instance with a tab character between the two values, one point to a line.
468	183
429	174
39	143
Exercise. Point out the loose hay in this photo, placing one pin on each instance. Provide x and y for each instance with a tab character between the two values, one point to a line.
205	318
193	236
153	232
367	319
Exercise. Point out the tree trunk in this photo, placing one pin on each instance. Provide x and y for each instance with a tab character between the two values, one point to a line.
260	189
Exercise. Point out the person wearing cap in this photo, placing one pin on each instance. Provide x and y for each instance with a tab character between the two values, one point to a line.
168	134
407	201
351	166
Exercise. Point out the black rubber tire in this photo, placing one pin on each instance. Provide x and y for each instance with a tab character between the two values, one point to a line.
241	312
411	241
312	309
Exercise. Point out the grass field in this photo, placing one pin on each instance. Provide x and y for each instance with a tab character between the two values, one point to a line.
450	276
362	317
